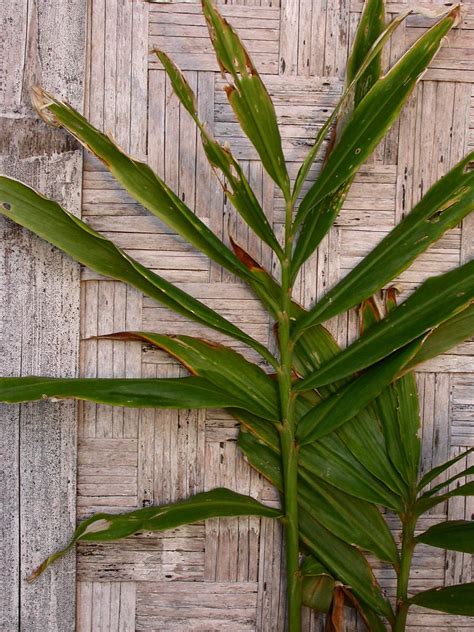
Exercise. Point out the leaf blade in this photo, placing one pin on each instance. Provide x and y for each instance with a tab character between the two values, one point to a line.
426	502
248	96
240	193
436	300
371	26
351	399
49	220
223	367
183	392
219	502
370	119
457	599
455	535
439	469
446	203
140	181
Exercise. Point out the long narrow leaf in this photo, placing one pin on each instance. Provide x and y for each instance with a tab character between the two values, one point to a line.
371	119
397	406
351	83
398	410
330	460
219	502
376	113
435	301
236	186
363	70
344	561
139	180
469	471
446	336
439	469
371	26
248	96
62	229
426	502
185	392
359	470
363	437
353	398
443	207
353	520
458	599
455	535
359	441
226	369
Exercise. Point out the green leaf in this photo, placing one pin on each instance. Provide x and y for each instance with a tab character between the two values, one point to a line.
398	410
226	369
455	535
376	113
314	348
62	229
436	300
358	447
219	502
353	520
248	96
342	105
237	188
330	460
425	503
371	26
140	181
355	463
356	522
443	207
439	469
183	392
458	599
318	585
397	406
467	472
364	438
343	561
351	399
446	336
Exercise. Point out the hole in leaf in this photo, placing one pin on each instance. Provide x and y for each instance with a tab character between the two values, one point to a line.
6	206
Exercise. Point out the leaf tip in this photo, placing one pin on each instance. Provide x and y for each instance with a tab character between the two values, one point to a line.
42	101
32	577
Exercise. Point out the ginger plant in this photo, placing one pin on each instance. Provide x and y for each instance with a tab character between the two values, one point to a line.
336	431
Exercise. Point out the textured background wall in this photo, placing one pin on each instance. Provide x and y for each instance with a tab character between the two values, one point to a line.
131	458
41	41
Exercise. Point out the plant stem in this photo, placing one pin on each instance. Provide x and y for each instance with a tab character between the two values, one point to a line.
408	546
287	437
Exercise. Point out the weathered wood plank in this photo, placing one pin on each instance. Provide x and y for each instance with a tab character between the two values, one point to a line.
42	42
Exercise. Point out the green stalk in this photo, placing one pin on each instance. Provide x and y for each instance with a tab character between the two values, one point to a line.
289	452
408	546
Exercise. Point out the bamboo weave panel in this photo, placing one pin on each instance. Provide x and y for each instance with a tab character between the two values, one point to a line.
226	575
